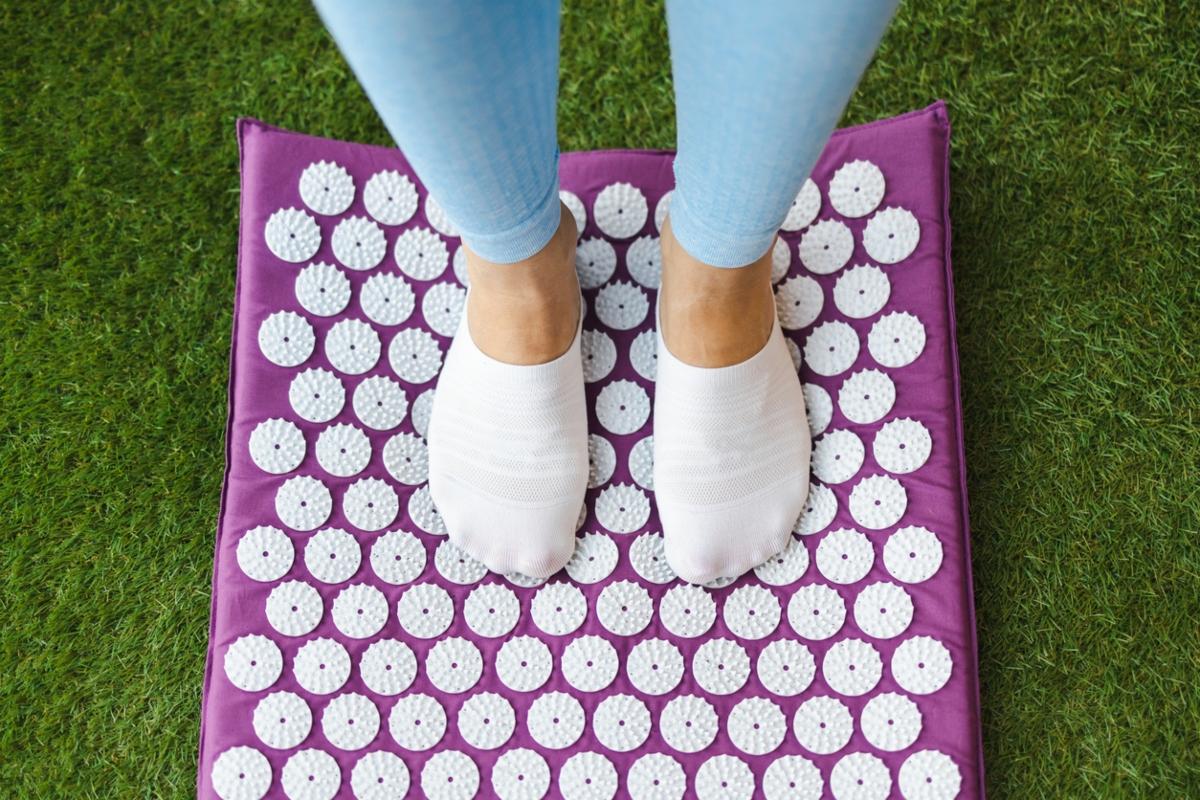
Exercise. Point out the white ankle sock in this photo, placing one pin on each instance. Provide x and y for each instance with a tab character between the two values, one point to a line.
508	456
731	460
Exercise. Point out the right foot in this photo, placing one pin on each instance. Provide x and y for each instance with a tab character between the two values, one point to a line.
508	460
731	440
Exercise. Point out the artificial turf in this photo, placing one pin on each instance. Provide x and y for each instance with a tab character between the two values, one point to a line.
1077	264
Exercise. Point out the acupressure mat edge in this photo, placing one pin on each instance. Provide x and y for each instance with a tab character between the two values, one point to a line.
355	653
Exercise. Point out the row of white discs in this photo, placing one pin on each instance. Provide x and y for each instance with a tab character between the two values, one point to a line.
243	773
689	724
882	610
911	555
920	665
278	446
556	720
622	406
304	503
620	212
751	612
353	347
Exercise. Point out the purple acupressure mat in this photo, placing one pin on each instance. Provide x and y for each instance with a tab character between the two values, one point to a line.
354	652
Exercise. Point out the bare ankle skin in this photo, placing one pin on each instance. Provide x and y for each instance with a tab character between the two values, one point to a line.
713	316
526	313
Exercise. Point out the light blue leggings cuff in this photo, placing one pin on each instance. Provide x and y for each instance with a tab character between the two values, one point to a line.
525	238
706	242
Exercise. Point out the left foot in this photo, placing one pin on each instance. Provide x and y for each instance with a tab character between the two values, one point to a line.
508	453
731	439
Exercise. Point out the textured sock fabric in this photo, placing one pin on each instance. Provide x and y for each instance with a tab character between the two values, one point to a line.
508	456
731	460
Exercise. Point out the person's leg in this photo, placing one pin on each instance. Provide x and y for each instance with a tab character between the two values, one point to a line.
468	91
758	87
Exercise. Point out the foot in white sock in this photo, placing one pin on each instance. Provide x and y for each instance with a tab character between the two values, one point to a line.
508	455
731	443
731	460
508	459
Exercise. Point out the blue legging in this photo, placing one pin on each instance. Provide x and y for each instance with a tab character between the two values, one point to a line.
468	90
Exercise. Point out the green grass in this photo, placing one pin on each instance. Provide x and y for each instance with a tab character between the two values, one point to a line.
1077	259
